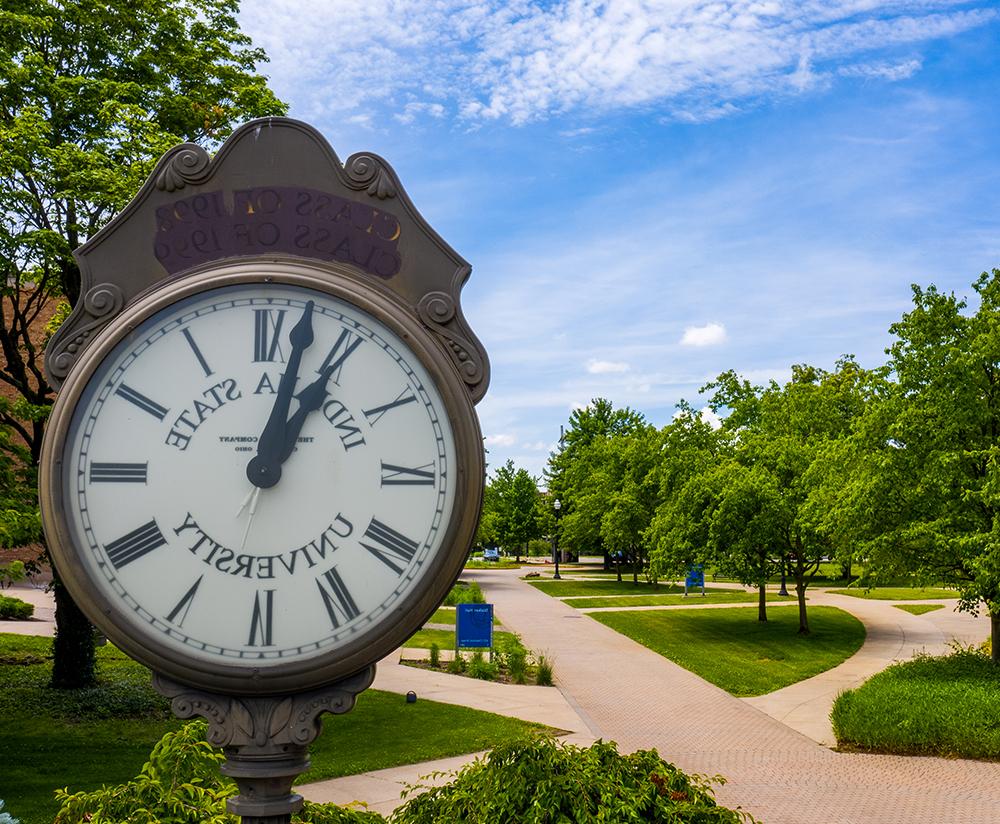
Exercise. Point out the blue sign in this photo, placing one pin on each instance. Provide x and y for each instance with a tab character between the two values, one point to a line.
474	625
695	577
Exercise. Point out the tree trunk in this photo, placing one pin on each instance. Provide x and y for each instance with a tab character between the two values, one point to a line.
995	637
635	569
618	567
73	647
762	602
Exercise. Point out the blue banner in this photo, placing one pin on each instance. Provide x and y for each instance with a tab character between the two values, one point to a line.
695	577
474	625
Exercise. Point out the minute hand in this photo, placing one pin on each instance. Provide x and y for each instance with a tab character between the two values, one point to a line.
265	469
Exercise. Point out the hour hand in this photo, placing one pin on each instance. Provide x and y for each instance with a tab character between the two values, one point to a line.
310	399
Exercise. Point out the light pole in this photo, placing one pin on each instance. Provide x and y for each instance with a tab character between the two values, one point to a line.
557	506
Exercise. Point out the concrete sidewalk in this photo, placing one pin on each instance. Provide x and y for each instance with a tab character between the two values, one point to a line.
639	699
611	687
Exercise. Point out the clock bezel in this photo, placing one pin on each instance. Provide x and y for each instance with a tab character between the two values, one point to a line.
325	666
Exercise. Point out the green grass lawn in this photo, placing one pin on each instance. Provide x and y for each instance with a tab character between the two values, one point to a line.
562	589
445	639
947	706
445	615
712	596
918	609
85	738
898	593
732	650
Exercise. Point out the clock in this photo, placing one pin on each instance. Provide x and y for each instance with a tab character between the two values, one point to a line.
262	476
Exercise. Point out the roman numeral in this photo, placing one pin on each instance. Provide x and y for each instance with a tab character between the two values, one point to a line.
197	352
261	621
184	605
334	362
267	334
134	545
118	473
337	598
393	475
375	414
389	546
140	400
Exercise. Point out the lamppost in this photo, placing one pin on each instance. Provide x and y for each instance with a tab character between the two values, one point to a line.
557	506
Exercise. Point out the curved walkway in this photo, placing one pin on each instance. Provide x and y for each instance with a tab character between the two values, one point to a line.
639	699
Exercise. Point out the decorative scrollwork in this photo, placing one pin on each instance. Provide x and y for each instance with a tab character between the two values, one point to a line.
370	174
240	721
188	166
436	310
100	304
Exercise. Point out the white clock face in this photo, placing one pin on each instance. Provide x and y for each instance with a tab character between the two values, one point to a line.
344	507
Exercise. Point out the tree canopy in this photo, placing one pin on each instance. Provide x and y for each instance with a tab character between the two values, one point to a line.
94	92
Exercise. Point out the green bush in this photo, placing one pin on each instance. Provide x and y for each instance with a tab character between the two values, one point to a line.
946	706
456	666
541	781
482	669
435	656
463	593
12	573
517	664
14	609
543	672
181	784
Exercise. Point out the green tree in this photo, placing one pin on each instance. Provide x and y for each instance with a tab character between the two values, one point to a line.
783	434
510	511
93	92
925	493
678	534
571	471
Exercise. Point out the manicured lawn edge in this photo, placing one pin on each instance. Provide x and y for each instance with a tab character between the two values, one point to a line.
945	706
731	649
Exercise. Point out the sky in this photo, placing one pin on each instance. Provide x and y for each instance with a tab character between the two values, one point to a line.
652	193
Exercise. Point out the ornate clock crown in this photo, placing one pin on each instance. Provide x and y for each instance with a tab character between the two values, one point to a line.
275	188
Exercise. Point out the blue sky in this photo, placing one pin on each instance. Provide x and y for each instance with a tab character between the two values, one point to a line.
651	193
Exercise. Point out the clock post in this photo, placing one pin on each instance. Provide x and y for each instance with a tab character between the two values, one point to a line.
264	468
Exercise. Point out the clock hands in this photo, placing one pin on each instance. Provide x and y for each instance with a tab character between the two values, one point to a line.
252	500
310	399
264	469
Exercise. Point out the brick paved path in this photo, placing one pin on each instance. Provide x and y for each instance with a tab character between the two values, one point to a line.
631	695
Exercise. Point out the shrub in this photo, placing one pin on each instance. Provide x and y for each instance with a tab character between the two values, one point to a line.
12	573
14	609
456	666
540	781
482	669
463	593
435	656
543	672
181	783
517	664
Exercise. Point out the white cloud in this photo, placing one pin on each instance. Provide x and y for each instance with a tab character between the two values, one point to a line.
711	334
603	367
709	417
503	439
521	61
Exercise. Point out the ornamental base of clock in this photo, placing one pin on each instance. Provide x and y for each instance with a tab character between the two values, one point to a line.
265	738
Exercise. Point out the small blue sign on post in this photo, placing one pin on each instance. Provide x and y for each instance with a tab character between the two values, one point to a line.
695	578
474	626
